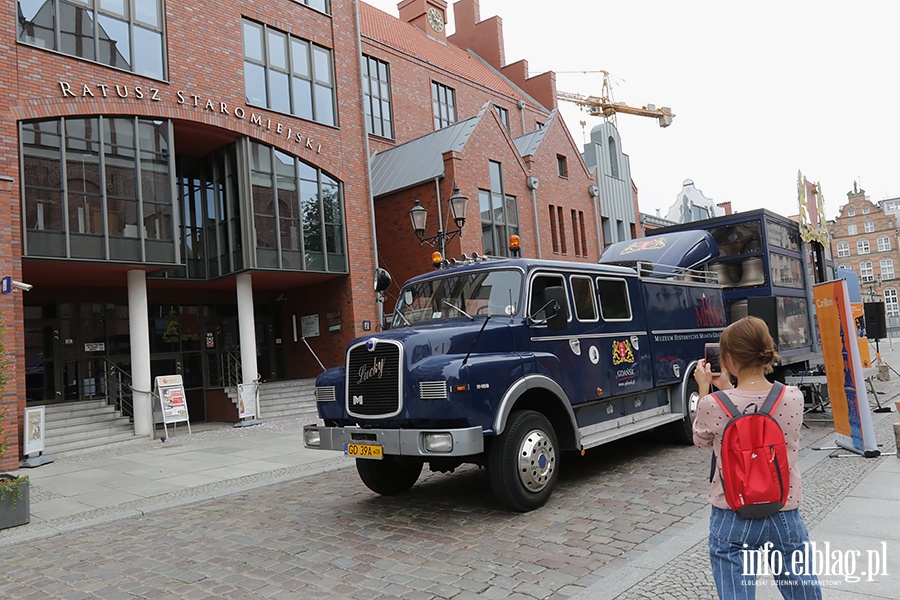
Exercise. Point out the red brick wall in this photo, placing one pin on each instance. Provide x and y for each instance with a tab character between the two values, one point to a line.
205	58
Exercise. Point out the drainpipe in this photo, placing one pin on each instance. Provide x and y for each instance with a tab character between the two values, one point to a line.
362	106
537	229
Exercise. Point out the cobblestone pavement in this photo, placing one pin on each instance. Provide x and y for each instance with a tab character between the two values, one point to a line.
324	535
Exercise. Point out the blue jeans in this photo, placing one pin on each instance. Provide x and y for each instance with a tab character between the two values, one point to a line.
740	549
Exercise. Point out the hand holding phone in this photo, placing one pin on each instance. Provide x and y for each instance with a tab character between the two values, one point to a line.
713	358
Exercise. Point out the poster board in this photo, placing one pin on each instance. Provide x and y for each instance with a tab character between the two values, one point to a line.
247	400
34	430
172	400
843	369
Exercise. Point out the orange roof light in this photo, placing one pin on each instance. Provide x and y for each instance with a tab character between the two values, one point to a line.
514	245
436	259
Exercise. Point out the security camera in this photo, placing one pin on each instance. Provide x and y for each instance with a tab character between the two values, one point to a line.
22	286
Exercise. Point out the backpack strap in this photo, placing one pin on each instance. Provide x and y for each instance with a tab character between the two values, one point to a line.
727	405
774	398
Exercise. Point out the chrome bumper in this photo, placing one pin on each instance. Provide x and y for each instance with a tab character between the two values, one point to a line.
397	442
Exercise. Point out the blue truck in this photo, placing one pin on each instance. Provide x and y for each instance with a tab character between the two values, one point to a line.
506	363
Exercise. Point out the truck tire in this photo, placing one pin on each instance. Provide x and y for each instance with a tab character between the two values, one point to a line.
682	431
389	476
523	462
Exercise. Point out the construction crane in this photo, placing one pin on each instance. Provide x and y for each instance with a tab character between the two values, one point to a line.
605	106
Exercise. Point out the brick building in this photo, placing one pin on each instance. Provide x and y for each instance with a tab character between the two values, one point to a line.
864	239
190	186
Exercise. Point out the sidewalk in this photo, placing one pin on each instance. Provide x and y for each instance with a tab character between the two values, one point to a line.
216	460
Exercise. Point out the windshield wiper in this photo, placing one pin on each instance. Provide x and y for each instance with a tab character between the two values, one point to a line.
451	305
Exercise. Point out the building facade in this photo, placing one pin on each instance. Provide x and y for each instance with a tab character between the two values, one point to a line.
192	186
864	240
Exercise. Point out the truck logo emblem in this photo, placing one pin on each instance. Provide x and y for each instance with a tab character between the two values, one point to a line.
621	352
654	244
367	373
357	400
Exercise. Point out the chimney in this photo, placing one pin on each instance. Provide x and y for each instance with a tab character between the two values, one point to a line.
428	15
726	206
484	38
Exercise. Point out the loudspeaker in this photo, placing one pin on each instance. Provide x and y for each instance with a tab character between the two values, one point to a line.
876	327
766	309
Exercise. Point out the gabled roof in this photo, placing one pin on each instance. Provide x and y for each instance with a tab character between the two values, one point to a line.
419	160
382	28
528	144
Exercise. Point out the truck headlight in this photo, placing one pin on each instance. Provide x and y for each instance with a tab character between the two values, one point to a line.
438	442
311	437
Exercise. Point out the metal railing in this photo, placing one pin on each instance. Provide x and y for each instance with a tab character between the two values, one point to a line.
117	383
649	269
230	369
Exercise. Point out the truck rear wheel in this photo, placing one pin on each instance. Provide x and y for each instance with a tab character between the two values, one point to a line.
389	476
523	462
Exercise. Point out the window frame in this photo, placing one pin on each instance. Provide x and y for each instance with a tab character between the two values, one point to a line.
295	76
592	296
865	267
627	299
843	249
886	247
369	99
443	100
529	313
862	246
97	13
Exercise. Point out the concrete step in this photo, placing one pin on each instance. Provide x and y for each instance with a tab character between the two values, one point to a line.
65	436
64	412
96	427
93	445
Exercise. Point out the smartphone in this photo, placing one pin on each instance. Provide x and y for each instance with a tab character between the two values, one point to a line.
713	358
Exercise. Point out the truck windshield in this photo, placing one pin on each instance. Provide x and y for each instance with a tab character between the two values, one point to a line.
459	296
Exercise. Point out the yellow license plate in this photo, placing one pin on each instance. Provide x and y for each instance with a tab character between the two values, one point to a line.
364	451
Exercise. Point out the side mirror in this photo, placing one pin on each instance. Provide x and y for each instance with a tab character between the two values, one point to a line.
557	315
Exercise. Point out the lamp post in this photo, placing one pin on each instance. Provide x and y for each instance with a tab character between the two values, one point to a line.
418	215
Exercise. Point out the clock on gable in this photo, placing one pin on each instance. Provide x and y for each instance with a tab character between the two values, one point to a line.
435	19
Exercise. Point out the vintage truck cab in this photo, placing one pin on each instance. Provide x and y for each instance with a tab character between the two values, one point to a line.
504	363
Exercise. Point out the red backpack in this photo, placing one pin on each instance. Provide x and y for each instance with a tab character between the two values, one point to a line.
755	473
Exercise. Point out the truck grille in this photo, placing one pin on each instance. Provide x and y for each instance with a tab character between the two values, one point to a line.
373	379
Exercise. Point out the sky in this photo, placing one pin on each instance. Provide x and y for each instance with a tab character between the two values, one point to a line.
760	91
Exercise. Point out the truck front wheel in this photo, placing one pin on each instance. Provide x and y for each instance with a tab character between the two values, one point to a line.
523	461
683	431
389	476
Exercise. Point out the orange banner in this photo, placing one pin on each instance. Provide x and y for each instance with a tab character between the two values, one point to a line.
843	369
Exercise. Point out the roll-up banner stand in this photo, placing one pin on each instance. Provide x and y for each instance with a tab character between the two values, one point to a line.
843	369
33	444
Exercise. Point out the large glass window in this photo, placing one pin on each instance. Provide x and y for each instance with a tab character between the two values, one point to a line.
125	34
377	92
884	243
298	213
851	229
891	306
499	214
843	249
82	181
443	100
887	268
866	273
869	226
288	74
862	246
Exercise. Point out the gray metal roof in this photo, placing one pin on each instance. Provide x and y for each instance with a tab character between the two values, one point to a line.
528	144
419	160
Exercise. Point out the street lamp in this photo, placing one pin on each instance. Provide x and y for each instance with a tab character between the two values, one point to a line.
418	216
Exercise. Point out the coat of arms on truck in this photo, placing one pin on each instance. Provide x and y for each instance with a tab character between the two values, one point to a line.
622	352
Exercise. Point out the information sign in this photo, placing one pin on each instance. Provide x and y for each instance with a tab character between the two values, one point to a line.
172	400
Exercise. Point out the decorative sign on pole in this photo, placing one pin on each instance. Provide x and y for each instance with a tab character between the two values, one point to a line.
813	226
172	401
